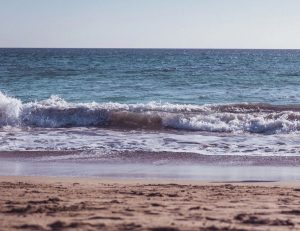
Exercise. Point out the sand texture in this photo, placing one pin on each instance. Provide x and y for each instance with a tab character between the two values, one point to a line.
41	203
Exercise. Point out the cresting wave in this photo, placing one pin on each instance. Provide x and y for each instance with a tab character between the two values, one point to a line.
238	118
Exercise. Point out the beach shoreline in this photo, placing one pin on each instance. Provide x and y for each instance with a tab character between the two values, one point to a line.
150	165
150	157
74	203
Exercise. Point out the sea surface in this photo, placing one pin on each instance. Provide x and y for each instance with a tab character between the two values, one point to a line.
95	101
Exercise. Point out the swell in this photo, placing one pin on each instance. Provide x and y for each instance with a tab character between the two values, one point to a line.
238	118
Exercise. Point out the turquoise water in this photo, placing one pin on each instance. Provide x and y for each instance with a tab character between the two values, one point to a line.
237	102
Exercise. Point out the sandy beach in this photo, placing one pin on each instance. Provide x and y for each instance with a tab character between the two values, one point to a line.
56	203
151	139
149	115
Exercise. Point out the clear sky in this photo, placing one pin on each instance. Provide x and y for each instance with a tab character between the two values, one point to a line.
150	23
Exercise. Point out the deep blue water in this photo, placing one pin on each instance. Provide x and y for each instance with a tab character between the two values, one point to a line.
138	75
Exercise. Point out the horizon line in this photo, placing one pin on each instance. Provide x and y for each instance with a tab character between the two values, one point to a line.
150	48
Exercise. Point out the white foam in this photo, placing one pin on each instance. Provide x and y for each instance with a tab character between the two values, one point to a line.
10	110
98	141
229	122
55	112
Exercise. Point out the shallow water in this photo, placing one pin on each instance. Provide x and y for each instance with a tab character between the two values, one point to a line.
149	171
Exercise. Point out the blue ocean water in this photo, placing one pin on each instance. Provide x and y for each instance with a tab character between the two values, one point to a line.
240	102
139	76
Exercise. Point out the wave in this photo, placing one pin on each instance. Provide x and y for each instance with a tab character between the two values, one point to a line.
238	118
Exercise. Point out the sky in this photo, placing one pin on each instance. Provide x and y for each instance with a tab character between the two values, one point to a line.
150	23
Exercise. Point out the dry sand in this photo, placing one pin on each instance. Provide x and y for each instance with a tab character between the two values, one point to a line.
45	203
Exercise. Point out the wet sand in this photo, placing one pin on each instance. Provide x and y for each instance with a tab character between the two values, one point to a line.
56	203
150	165
147	157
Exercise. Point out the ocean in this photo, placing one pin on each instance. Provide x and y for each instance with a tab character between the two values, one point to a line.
234	102
103	101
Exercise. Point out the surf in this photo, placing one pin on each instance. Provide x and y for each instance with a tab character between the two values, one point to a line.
56	112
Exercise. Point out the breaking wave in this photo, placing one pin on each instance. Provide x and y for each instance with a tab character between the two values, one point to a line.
238	118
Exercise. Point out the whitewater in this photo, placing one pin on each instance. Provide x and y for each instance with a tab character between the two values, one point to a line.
231	129
58	113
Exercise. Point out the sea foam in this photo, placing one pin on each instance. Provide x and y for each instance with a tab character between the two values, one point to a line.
10	110
56	112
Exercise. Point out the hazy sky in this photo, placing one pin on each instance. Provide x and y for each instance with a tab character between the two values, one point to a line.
150	23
